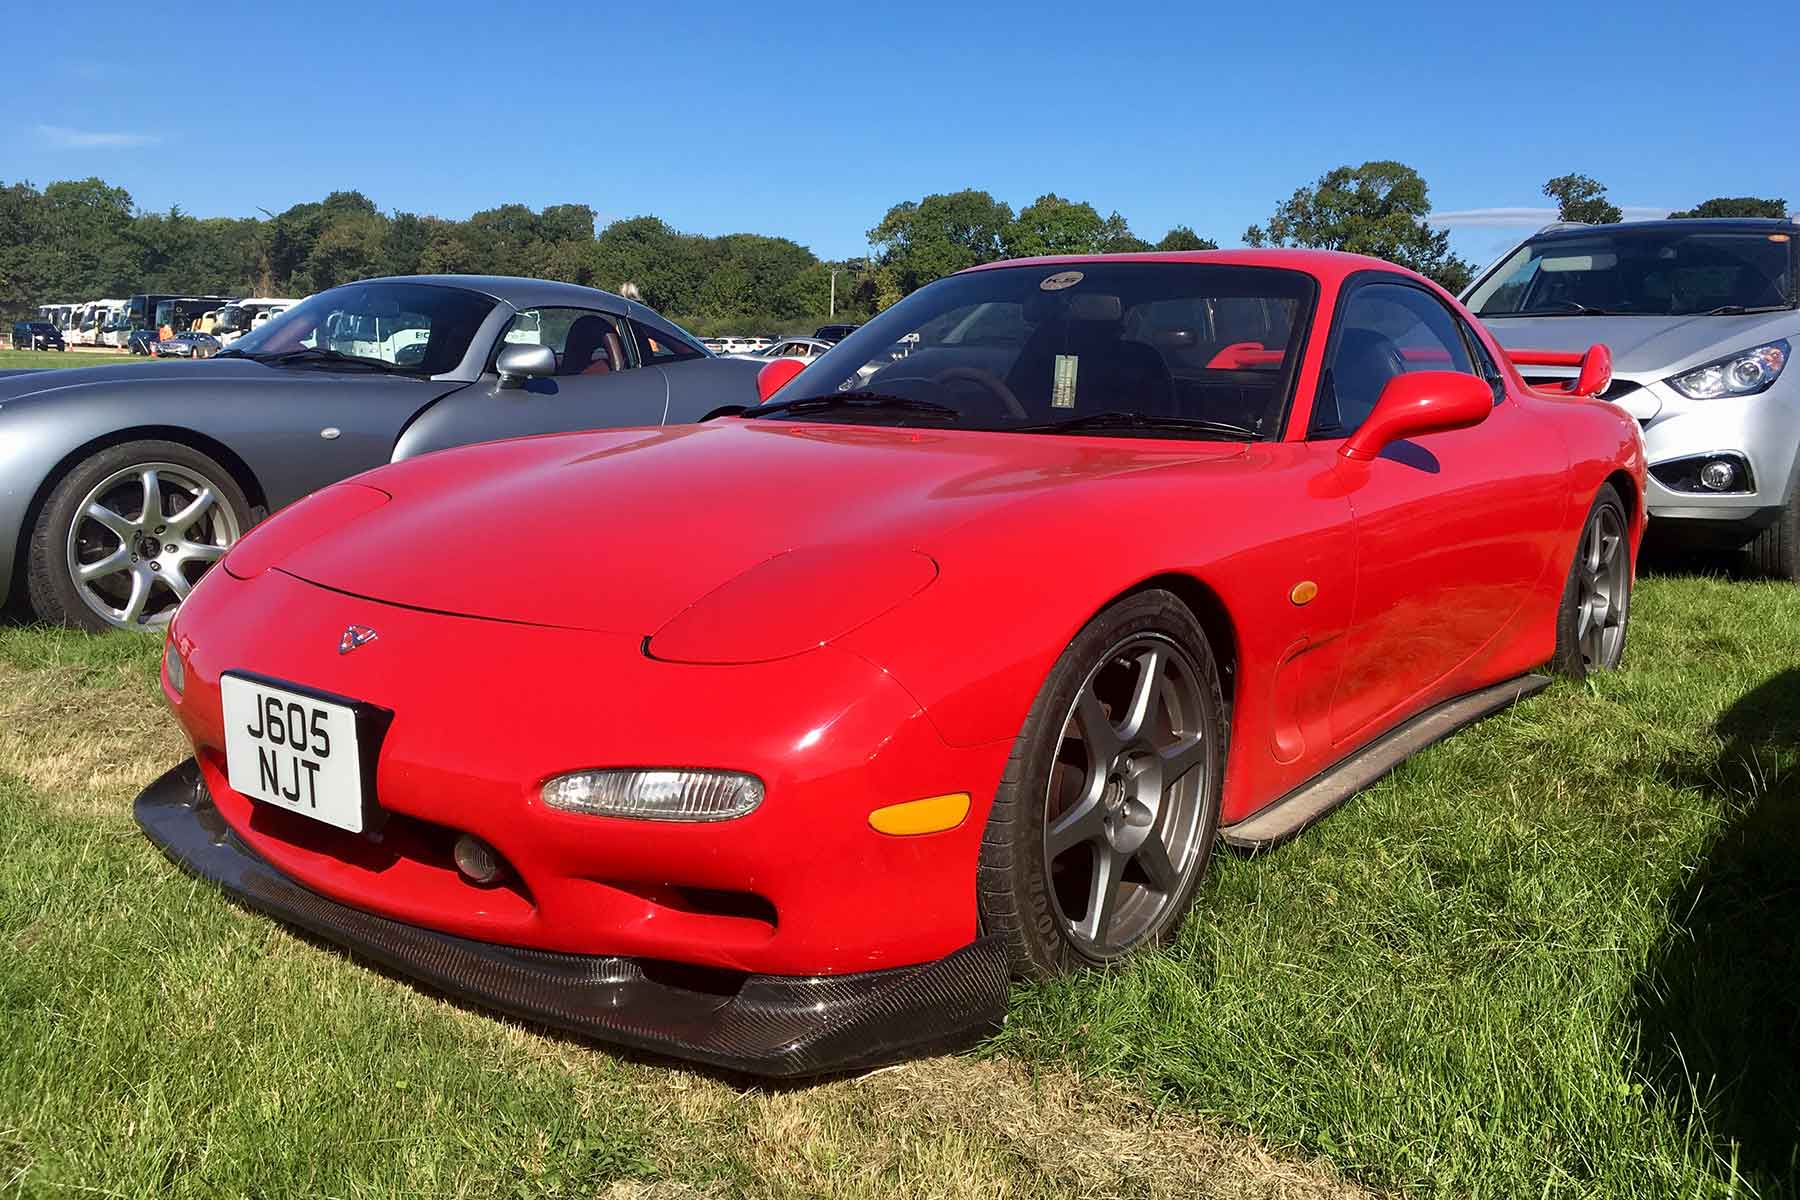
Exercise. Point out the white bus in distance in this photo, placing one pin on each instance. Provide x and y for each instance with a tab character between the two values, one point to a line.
241	316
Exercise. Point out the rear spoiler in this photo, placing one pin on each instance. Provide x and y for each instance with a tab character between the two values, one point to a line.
1595	365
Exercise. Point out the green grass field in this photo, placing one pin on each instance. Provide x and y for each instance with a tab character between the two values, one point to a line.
67	358
1555	956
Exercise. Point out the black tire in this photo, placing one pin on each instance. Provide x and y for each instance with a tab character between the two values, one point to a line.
55	596
1017	896
1578	655
1775	552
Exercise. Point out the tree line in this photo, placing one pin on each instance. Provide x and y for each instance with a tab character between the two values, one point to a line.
81	239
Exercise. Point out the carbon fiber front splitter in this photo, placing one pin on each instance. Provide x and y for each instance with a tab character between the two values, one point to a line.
769	1025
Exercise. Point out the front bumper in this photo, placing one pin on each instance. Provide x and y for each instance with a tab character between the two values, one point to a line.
769	1025
1762	431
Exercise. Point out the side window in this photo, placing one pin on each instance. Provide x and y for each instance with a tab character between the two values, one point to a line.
654	346
586	342
1484	362
1385	329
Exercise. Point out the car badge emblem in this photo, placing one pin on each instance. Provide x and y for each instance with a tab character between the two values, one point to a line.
354	636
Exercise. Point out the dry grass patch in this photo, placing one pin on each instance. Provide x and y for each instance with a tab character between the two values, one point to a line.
87	737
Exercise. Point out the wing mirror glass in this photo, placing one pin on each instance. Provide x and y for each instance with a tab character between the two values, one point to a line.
773	377
1419	403
520	362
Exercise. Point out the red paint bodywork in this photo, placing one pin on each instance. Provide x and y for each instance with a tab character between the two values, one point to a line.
861	616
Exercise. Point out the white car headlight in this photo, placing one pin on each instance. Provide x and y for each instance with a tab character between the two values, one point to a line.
1743	374
656	795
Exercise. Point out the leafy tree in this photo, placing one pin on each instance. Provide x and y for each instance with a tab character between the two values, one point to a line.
1053	225
1579	198
1183	238
917	242
1735	206
1378	209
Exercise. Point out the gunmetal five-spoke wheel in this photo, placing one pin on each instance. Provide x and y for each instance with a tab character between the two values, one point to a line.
1596	605
1105	819
1124	803
127	534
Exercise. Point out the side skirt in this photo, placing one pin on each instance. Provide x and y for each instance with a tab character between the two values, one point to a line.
1274	823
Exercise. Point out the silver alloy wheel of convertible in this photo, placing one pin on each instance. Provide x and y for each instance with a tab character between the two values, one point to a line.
1124	804
141	539
1602	590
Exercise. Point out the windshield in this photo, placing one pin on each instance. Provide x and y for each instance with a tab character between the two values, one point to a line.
232	318
1658	271
1029	348
415	326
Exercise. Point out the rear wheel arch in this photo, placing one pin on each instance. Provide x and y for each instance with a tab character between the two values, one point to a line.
1627	488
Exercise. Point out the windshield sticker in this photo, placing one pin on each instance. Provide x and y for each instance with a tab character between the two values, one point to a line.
1061	280
1062	387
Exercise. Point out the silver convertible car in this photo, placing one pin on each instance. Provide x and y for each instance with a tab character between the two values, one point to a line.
1701	317
120	485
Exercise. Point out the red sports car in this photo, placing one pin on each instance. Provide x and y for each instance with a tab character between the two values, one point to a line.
783	740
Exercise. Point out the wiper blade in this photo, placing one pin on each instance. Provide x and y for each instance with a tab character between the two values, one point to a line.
1122	419
871	400
320	354
1572	310
1745	310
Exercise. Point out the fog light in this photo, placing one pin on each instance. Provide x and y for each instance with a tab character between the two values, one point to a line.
1717	476
476	859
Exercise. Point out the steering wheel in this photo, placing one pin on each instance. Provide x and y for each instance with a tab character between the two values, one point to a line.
995	386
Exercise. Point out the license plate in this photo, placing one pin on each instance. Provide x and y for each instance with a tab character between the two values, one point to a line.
294	750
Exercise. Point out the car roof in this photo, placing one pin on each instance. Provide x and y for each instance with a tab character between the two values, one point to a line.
1328	266
515	290
1689	224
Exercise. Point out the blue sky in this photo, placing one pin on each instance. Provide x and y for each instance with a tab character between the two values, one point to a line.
809	121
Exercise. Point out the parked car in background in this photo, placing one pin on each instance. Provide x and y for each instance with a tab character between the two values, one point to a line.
737	741
1701	318
801	348
37	335
139	341
835	333
104	526
187	345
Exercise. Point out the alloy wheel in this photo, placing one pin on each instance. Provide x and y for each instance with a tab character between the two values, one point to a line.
1602	590
1127	796
141	539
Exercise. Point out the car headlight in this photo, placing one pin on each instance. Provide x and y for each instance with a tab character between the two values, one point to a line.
656	795
1742	374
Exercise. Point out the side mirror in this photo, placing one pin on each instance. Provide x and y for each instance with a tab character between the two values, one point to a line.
773	377
1419	403
519	362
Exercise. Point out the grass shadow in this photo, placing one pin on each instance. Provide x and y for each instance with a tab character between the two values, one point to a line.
1718	1005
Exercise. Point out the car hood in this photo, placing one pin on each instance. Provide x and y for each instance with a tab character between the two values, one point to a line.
70	381
620	531
1646	346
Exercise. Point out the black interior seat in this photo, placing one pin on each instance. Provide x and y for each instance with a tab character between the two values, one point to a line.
589	347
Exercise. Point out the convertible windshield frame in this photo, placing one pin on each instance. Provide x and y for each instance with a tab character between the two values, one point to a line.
1628	261
1169	340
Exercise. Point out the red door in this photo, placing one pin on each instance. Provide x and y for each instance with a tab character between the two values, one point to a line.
1452	529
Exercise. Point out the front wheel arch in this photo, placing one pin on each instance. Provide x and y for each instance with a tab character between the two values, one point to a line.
214	449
